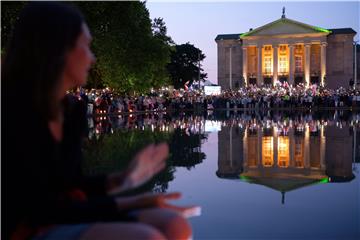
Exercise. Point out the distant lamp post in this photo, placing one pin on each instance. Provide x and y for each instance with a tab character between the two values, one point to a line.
230	68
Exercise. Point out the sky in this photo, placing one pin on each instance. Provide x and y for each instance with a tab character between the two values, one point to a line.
200	22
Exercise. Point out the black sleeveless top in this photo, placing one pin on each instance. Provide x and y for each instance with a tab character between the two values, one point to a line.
38	172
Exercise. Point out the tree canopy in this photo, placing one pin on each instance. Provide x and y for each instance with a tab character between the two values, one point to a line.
133	53
9	14
184	65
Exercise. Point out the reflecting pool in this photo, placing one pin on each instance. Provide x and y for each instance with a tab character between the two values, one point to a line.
263	175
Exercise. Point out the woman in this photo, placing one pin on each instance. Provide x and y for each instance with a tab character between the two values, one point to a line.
45	198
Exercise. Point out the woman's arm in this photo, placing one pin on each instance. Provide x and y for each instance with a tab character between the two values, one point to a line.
147	163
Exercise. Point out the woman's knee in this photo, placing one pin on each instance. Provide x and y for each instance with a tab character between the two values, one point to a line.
169	222
177	227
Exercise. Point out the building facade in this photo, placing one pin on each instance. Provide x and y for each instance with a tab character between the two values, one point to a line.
286	50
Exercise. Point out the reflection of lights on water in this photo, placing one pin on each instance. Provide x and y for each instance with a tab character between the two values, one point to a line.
283	151
300	128
195	123
275	129
267	151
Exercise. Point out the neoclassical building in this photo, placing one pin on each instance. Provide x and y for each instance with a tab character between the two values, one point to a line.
286	50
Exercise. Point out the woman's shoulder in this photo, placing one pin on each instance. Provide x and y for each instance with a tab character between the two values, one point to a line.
74	115
74	106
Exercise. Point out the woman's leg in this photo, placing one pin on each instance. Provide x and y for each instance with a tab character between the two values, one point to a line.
115	231
169	222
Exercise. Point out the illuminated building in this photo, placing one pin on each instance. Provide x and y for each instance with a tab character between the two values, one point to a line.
286	50
286	159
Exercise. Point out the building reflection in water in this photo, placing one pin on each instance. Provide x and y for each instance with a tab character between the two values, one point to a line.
283	151
285	157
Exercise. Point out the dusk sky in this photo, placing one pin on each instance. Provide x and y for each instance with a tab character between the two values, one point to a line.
200	22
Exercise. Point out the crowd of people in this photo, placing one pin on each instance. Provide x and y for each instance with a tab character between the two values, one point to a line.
105	101
195	124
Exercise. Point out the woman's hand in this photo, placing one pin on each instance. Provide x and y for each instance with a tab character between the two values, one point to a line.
157	200
147	163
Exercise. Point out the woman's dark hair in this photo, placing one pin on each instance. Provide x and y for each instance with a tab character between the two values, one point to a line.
35	55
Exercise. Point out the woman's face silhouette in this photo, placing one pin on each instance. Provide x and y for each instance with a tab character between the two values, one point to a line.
79	60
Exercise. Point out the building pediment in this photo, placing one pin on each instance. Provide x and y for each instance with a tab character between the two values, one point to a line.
284	26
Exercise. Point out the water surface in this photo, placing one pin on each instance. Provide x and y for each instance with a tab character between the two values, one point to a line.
268	175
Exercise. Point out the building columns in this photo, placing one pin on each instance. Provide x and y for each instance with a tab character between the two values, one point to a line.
323	63
322	149
260	137
275	147
307	148
291	65
245	65
307	64
230	68
275	64
245	146
291	148
259	67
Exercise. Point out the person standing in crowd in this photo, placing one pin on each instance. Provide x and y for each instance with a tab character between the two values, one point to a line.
45	195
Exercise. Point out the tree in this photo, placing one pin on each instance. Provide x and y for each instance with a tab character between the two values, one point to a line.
121	33
184	65
162	47
9	14
132	52
160	31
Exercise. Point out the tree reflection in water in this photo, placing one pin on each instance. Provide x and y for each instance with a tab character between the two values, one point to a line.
112	141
